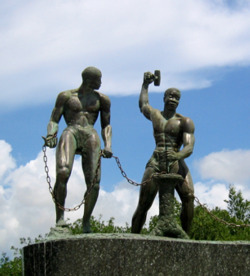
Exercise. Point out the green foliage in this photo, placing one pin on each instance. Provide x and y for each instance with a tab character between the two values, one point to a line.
238	207
99	226
10	267
152	223
14	267
204	227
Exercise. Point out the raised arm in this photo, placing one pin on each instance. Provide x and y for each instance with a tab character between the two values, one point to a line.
52	128
105	125
143	100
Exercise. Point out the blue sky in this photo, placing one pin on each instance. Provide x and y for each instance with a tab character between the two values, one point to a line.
201	47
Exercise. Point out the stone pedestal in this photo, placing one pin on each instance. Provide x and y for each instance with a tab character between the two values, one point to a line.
167	225
135	255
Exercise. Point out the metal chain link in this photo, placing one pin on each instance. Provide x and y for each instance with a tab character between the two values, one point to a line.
230	224
48	179
195	198
130	181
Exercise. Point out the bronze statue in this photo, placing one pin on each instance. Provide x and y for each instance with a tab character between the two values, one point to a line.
80	108
171	132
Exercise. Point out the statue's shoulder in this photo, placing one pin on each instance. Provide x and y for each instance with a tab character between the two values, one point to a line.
186	122
155	112
68	93
64	96
150	112
104	99
181	117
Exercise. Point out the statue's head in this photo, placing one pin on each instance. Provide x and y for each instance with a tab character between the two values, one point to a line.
171	98
92	77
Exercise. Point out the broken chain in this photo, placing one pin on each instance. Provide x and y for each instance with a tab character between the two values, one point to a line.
130	181
230	224
194	197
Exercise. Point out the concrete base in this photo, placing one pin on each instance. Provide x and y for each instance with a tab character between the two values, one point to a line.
131	254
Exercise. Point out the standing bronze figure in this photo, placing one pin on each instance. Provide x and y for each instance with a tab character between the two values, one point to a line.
80	108
171	132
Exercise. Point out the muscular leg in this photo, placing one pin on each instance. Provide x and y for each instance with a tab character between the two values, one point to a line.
90	160
186	193
64	161
147	195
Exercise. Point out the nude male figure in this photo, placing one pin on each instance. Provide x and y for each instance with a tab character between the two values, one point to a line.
80	108
171	132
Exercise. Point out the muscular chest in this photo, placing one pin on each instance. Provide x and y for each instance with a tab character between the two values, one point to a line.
170	127
78	104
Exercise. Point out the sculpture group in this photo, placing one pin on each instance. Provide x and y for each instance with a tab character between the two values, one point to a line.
165	171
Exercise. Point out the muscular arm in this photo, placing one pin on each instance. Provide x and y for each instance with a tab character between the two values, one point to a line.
105	124
56	115
143	100
188	142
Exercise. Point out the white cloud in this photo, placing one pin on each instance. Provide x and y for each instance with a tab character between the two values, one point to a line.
221	169
230	166
211	194
121	204
27	209
6	161
46	44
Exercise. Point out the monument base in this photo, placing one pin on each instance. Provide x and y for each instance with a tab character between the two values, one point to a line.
131	254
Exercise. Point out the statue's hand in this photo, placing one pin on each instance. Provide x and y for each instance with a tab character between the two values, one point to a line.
148	78
50	141
172	155
107	153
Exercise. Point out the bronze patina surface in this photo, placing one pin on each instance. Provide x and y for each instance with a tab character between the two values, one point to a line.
80	108
174	139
